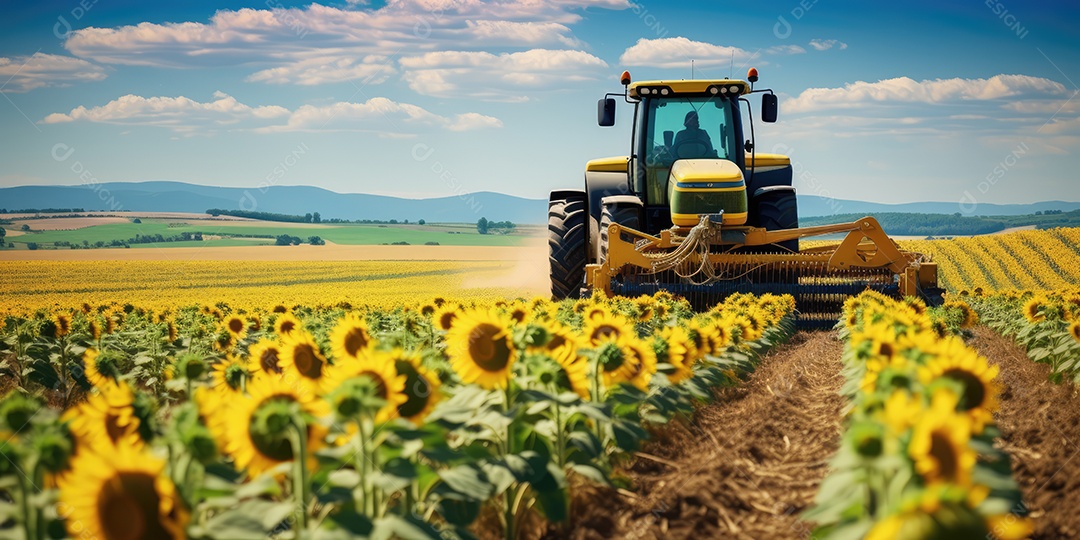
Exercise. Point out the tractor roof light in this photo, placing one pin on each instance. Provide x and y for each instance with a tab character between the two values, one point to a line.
664	91
734	89
714	90
752	75
625	78
645	91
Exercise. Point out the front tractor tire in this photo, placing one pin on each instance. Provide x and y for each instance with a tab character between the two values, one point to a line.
567	245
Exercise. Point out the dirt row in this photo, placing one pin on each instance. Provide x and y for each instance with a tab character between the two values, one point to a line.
1040	430
747	466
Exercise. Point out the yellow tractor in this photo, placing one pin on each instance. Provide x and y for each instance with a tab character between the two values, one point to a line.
695	210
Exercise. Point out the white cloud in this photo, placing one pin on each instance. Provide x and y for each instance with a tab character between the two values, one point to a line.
471	121
527	32
906	90
292	38
677	52
25	73
826	44
502	77
371	69
785	49
187	116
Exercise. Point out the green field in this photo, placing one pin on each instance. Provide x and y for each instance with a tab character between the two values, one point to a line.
344	234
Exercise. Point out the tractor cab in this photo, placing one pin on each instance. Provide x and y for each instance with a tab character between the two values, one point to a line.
697	123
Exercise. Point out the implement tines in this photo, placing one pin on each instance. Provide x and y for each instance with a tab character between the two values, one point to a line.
819	290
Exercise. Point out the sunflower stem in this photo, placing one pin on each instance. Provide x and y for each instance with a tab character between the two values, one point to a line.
300	475
29	519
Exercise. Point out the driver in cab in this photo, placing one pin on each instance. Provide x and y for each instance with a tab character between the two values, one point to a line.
692	142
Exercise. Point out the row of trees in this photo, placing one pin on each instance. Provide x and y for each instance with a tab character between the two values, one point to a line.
483	226
311	217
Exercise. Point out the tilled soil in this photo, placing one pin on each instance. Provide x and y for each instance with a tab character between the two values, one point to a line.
746	467
1040	429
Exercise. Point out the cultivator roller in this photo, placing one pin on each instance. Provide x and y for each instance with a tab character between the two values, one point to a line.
708	262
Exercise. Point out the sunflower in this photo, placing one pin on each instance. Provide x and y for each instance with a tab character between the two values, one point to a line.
380	368
170	330
123	494
229	374
256	426
350	337
444	317
642	362
63	324
1074	330
674	346
939	443
105	418
1033	310
236	326
719	337
421	388
265	356
100	368
428	310
481	348
518	313
603	326
301	360
956	362
901	411
110	324
285	324
572	373
560	336
224	341
93	328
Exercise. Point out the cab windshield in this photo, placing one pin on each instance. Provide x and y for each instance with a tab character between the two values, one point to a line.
697	127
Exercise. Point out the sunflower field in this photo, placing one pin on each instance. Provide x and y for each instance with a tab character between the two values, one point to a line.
242	421
917	458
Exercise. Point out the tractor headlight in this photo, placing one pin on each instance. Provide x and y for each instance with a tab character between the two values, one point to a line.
734	89
714	90
645	91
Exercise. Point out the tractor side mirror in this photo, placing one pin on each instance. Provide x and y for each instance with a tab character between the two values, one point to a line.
769	108
605	112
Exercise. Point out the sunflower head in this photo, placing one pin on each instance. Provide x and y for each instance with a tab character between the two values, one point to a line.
122	495
1033	310
257	428
367	388
421	387
605	326
443	318
17	410
481	348
235	325
101	368
1074	330
350	337
939	443
63	324
303	361
230	373
265	356
285	324
190	366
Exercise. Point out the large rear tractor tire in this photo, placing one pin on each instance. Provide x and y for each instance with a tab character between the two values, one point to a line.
623	214
567	245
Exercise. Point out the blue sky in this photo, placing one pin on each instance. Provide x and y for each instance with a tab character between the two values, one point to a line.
881	101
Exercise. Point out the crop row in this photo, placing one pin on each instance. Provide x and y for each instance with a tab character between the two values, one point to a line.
222	422
917	458
1046	325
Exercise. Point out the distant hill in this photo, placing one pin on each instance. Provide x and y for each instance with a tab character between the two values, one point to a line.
811	205
162	196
